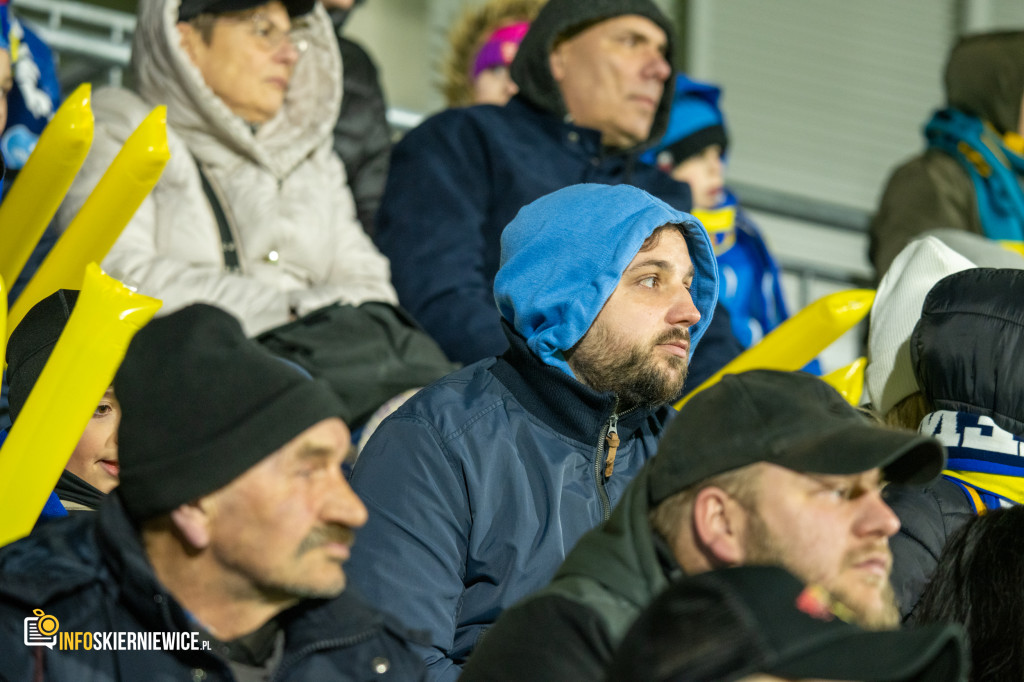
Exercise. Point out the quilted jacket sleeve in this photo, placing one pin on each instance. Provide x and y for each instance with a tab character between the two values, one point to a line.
410	558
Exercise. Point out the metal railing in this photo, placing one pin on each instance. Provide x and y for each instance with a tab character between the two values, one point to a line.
98	39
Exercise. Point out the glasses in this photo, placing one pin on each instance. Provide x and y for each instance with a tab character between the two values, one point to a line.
271	36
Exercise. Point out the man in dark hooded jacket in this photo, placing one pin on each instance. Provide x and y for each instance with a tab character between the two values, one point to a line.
481	483
592	91
969	177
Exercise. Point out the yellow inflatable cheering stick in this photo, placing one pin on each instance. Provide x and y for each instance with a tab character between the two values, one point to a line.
104	215
3	319
42	183
82	366
799	339
849	380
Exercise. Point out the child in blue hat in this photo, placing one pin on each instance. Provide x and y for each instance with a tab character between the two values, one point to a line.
693	151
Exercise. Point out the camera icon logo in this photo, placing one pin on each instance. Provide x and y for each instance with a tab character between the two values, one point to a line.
41	629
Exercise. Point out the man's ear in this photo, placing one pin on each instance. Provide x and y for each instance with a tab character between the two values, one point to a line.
556	62
719	522
193	523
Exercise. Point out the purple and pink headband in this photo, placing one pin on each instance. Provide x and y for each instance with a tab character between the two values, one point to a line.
500	48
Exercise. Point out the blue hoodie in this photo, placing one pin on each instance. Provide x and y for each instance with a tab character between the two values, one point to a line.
551	299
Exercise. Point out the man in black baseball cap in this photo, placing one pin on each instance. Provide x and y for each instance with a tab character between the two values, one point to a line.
762	623
764	467
227	535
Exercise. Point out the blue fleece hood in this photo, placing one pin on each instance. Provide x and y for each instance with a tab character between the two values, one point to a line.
563	255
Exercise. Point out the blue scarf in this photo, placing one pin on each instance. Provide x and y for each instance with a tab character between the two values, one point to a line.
986	461
993	168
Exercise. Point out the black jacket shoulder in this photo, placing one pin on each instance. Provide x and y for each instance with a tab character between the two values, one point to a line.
928	516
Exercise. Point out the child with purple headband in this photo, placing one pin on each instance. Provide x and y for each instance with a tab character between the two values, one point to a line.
492	82
484	41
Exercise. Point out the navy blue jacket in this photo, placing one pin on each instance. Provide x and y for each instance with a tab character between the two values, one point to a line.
90	572
477	489
458	179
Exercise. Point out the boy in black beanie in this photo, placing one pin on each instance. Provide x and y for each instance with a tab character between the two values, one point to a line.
92	470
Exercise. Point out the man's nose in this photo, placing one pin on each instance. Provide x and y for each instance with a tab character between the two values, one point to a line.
344	507
658	67
683	311
877	517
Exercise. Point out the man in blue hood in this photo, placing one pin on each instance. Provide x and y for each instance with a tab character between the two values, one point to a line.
481	483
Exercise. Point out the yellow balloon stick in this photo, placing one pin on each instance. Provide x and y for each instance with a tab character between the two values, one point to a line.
795	342
42	183
849	380
104	215
76	376
3	319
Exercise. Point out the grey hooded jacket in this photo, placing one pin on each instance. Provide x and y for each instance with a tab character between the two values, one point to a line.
299	244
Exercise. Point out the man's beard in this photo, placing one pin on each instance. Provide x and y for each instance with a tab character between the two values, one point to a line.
762	548
630	370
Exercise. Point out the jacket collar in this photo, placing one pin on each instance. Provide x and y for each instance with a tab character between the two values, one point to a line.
121	547
582	141
560	401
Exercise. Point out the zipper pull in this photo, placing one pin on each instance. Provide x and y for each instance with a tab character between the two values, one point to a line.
612	439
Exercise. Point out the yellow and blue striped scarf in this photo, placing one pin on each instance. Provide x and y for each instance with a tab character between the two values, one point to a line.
987	462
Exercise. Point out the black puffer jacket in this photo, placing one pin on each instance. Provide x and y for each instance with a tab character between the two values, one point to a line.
965	352
90	573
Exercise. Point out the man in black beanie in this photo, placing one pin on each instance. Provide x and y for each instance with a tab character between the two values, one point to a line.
220	555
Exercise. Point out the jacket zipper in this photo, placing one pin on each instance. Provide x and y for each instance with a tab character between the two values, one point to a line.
609	431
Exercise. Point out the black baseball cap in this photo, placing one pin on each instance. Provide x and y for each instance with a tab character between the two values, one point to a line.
772	623
189	9
791	419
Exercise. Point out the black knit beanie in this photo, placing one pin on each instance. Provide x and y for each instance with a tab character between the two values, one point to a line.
32	342
201	404
531	70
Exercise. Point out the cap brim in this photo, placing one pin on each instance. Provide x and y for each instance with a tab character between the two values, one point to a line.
930	653
295	8
903	456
